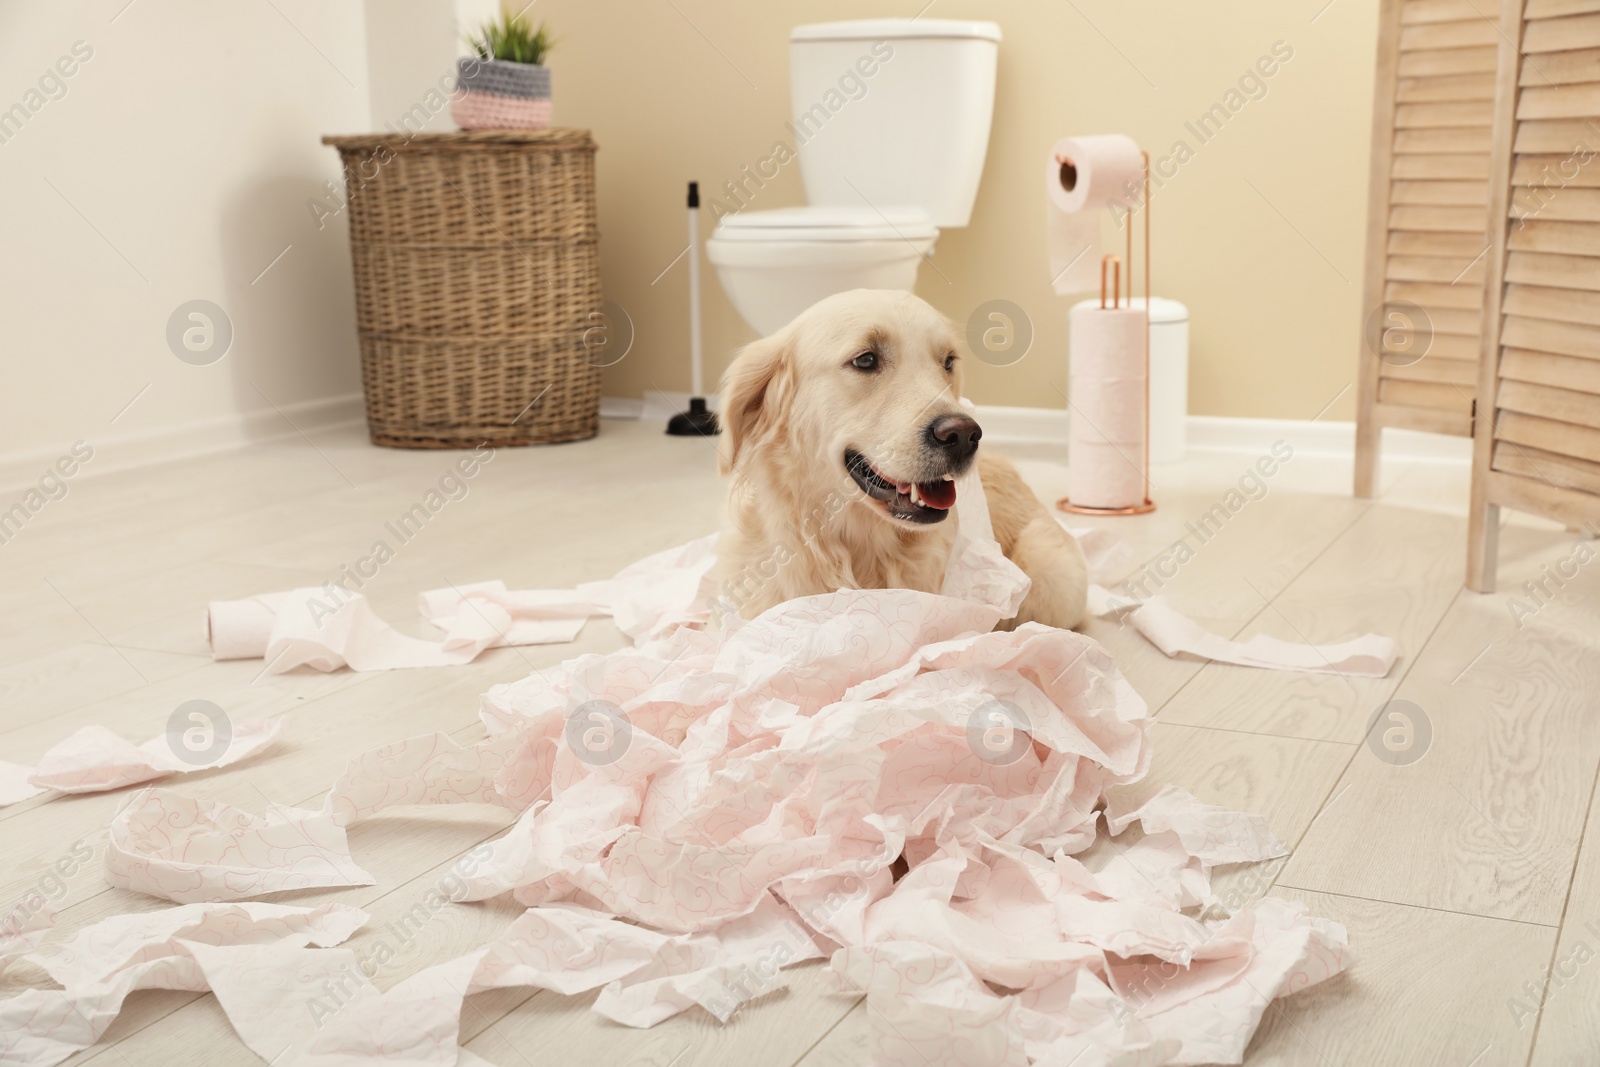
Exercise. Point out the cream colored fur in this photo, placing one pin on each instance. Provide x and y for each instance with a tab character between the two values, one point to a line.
797	524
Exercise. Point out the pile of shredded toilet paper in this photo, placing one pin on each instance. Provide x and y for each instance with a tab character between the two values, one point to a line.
875	778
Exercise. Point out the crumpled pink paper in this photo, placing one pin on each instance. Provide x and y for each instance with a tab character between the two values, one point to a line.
169	845
305	1008
95	760
1210	834
706	808
101	964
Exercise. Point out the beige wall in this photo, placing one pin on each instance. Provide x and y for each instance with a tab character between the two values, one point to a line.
1260	232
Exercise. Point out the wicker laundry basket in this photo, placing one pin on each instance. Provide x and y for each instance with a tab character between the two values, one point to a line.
476	258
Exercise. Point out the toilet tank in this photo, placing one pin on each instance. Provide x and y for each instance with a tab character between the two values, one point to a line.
893	112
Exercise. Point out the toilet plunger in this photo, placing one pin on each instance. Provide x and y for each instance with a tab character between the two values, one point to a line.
698	419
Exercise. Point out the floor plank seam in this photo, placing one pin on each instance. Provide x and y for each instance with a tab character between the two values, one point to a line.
1261	733
1566	902
201	665
1419	907
1398	685
824	1035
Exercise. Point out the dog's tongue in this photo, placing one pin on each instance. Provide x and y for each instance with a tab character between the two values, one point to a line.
941	495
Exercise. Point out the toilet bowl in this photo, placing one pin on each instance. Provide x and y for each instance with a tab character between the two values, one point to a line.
775	264
891	126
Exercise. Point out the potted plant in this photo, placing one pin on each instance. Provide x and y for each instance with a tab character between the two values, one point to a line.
504	84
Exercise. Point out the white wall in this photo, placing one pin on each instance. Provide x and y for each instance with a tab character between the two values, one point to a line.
177	165
412	47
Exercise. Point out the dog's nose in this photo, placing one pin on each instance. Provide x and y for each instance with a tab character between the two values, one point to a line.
955	434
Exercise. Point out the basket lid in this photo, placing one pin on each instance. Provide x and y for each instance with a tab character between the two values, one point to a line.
553	137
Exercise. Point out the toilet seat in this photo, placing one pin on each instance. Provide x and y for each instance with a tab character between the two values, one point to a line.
825	223
775	264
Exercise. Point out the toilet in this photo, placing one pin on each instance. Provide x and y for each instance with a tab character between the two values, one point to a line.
890	125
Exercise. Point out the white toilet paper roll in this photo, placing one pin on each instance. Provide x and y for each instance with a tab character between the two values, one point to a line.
240	629
1106	445
1087	179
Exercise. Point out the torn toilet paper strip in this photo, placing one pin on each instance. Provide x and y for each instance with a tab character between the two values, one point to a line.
310	627
1174	633
95	759
169	845
332	627
100	965
24	928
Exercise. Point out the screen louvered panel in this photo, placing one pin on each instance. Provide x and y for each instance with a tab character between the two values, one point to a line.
1540	451
1428	222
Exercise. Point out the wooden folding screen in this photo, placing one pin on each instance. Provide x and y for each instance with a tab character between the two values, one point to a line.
1427	225
1540	371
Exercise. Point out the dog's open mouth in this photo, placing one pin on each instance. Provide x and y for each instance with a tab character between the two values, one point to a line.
910	501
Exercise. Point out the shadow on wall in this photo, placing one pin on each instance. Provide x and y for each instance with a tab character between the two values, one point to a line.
292	302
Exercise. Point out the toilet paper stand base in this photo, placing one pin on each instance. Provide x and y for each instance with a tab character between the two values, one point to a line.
1079	509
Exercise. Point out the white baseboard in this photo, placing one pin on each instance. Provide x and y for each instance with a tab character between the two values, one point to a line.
1206	433
657	406
1228	435
121	452
621	407
1209	433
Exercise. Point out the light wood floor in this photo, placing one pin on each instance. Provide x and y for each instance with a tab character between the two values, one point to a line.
1463	877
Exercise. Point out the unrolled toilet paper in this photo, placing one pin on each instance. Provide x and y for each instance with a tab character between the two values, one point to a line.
1105	456
1087	179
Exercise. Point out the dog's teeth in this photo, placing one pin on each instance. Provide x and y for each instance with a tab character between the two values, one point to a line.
949	477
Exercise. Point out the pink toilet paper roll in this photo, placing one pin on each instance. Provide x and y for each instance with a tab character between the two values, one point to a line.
1108	410
1087	179
1105	451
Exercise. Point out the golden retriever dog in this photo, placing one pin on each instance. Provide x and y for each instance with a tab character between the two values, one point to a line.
845	435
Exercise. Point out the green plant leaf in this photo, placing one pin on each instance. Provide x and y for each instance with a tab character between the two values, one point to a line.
512	38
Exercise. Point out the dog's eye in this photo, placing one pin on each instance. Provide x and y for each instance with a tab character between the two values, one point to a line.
867	361
949	362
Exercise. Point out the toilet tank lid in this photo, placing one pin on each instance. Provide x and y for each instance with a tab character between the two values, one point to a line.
878	29
822	223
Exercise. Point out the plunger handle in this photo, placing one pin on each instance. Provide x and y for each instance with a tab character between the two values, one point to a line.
695	374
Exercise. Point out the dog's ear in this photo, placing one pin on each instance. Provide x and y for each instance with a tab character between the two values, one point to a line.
755	390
